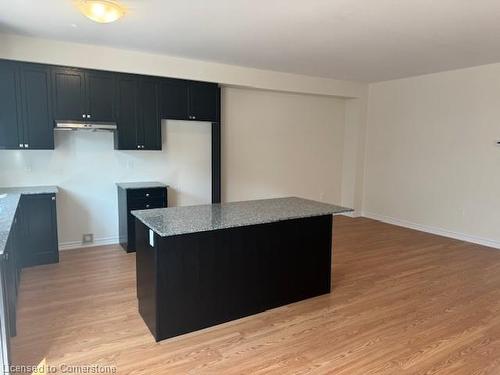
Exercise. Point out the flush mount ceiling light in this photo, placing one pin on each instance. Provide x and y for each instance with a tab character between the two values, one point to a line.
102	11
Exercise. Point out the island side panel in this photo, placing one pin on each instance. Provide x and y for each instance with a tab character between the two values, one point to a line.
299	260
146	277
213	277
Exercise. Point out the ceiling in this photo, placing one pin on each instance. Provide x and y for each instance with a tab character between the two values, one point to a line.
361	40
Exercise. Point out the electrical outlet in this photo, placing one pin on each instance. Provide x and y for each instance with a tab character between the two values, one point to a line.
89	237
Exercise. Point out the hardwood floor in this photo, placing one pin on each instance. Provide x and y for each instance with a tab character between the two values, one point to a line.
403	302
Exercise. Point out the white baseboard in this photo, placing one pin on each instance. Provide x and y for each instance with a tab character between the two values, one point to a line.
97	242
351	214
429	229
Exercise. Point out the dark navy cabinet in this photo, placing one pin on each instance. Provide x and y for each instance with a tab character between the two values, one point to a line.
25	106
100	96
189	100
38	242
10	113
83	95
38	124
33	97
127	113
203	101
174	97
149	124
138	116
130	199
68	94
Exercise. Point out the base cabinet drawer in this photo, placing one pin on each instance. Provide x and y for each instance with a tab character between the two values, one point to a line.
153	193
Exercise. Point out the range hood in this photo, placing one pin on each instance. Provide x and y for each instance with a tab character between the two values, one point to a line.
79	125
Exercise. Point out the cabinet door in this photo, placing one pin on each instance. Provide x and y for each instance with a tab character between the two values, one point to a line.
37	113
127	116
174	99
203	101
100	90
40	245
68	94
149	135
10	122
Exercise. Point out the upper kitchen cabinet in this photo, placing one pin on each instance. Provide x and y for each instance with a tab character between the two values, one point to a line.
188	100
68	94
174	97
10	116
25	107
149	134
138	115
126	113
203	101
38	124
100	90
83	95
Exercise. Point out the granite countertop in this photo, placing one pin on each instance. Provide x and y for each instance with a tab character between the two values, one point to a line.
191	219
8	207
26	190
140	185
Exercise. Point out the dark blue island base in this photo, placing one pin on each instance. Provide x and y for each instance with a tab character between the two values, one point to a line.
191	281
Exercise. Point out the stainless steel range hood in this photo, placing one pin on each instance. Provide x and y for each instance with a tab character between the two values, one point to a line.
92	126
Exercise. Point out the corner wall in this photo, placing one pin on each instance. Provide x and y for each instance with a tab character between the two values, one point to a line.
431	159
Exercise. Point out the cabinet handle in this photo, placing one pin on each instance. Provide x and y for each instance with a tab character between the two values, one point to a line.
83	115
26	145
147	194
53	198
88	116
21	145
138	146
147	206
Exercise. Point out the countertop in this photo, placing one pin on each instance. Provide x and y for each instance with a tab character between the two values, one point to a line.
173	221
9	200
8	207
141	185
26	190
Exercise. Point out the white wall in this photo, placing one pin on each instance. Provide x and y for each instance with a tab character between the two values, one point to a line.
431	158
277	144
24	48
86	167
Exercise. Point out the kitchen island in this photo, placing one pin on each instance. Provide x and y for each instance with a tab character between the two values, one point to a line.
199	266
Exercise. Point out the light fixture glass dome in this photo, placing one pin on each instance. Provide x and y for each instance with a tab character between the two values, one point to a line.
101	11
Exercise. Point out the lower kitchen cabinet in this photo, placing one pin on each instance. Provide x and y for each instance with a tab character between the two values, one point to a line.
10	269
38	242
136	198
